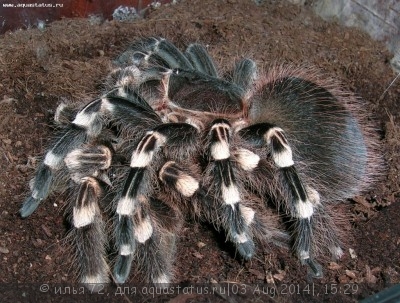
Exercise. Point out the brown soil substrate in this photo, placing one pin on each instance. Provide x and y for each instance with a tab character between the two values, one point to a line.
69	61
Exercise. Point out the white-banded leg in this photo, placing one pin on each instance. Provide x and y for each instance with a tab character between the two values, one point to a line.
88	161
156	255
134	224
88	123
126	82
176	177
235	216
299	205
128	233
180	181
263	227
201	60
65	114
88	232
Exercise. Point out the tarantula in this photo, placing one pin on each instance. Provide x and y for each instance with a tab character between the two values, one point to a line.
262	155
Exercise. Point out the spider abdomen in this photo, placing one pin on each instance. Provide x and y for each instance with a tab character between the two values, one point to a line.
327	138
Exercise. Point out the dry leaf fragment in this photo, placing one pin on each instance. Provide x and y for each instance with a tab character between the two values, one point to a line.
201	244
198	255
353	254
280	275
257	273
369	277
334	266
351	274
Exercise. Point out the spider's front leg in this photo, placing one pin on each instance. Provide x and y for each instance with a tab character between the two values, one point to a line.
87	124
135	226
85	150
53	161
87	168
302	200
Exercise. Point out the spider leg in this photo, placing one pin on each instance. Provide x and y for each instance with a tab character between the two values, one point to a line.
262	223
155	52
201	60
88	233
235	216
88	229
88	123
173	57
172	175
244	74
181	180
152	234
300	205
136	52
52	162
134	77
136	190
87	161
65	114
156	255
128	81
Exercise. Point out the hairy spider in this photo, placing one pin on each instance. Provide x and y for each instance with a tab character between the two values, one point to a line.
262	156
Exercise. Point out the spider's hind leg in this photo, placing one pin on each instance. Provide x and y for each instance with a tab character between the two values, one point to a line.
301	201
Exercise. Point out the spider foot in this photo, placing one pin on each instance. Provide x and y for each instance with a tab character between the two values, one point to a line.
122	268
246	249
314	268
